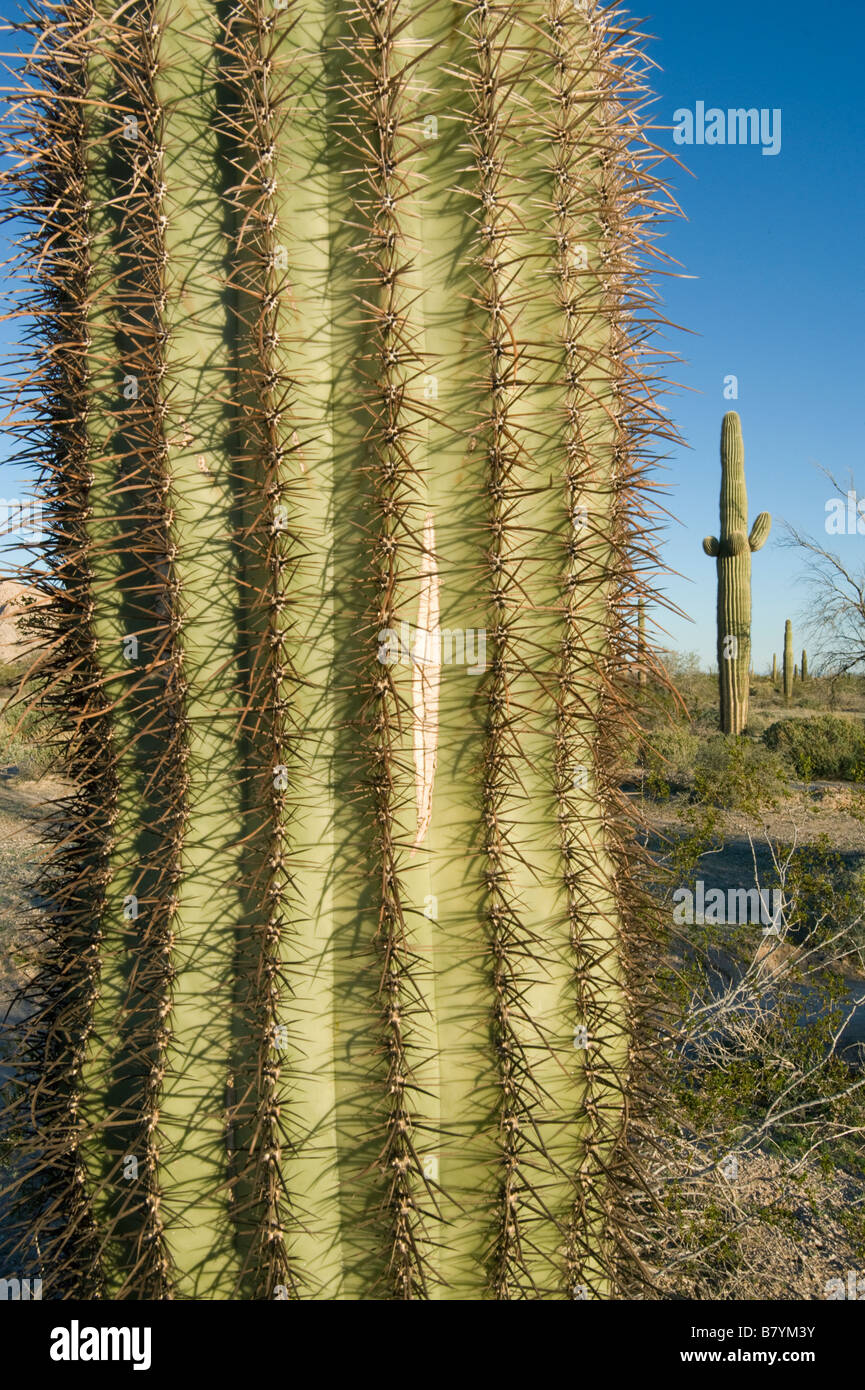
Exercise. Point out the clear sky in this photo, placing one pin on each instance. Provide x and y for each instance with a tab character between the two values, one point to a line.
776	246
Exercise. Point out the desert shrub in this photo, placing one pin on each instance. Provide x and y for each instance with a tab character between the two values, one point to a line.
823	892
730	774
738	774
12	673
668	759
696	688
24	744
824	746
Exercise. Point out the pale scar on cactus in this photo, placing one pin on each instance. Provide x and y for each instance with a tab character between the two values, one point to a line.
732	550
344	317
425	684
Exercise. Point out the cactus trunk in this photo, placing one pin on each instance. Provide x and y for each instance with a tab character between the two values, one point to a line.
774	668
804	666
732	551
342	348
642	673
788	662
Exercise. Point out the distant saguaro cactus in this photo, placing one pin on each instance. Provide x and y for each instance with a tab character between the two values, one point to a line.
788	662
733	553
804	666
774	668
642	674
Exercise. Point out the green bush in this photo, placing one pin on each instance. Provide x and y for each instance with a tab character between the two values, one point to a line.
668	760
824	746
24	745
12	673
738	774
825	892
696	688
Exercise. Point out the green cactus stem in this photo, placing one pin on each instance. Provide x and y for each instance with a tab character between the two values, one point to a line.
774	668
732	550
342	310
642	673
788	662
804	665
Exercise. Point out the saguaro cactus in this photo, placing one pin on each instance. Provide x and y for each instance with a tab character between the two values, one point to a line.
788	662
774	668
733	553
804	666
642	673
341	312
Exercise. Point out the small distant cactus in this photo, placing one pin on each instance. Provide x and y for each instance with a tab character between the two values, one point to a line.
804	667
788	662
774	668
642	674
733	553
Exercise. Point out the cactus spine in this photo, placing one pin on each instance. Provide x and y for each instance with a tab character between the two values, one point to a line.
788	662
343	950
732	549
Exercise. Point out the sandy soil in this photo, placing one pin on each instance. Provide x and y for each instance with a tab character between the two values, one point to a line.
790	1230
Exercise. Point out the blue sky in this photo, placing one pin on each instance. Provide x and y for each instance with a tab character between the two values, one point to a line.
776	248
